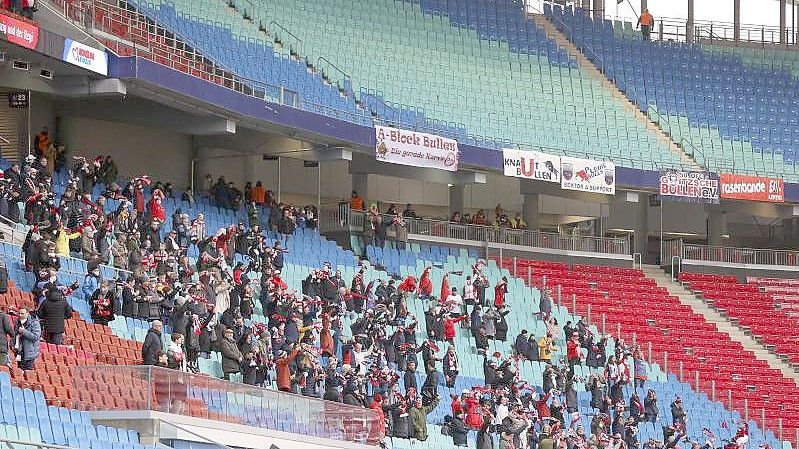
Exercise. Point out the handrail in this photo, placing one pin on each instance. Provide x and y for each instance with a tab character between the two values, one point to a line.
568	36
322	58
273	22
428	228
739	255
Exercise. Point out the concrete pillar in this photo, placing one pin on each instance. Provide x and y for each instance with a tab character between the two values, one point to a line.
456	199
736	18
716	226
644	5
530	210
689	26
599	10
783	21
360	184
641	241
586	6
789	232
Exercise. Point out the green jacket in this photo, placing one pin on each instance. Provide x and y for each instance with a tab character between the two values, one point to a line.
419	419
545	442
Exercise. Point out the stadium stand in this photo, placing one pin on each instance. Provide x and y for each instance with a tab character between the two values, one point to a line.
317	74
732	109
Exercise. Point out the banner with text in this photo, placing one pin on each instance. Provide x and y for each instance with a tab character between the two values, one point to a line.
531	165
84	56
586	175
693	186
399	146
752	188
19	32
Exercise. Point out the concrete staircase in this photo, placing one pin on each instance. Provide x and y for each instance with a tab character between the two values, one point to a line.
588	67
687	297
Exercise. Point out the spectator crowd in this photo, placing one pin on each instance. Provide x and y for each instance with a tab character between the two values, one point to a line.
341	340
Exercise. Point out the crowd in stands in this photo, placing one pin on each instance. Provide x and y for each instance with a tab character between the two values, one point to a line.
24	8
342	340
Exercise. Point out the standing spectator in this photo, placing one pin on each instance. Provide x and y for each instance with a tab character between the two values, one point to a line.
175	355
418	414
651	406
356	202
458	430
53	311
645	21
102	302
546	346
678	415
152	343
231	355
28	333
6	333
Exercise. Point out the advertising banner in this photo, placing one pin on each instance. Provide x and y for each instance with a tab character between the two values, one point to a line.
19	32
399	146
752	188
695	187
531	165
587	175
84	56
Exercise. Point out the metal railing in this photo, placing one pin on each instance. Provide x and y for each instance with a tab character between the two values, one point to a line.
729	255
150	388
430	229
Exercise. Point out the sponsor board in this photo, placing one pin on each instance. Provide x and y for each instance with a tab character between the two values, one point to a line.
752	188
691	186
531	165
399	146
587	175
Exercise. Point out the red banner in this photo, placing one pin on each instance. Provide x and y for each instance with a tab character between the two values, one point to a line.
19	32
752	188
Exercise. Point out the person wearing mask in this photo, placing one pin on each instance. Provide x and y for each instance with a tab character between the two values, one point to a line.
28	332
102	302
152	343
176	358
54	311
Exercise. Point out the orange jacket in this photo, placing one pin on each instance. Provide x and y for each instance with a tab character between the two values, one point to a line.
283	372
646	19
258	194
356	203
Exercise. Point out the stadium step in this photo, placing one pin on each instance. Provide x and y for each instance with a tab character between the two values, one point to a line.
592	70
722	323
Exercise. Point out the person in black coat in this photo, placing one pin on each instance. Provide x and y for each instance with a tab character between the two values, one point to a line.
457	430
409	378
53	312
501	325
152	344
521	344
6	334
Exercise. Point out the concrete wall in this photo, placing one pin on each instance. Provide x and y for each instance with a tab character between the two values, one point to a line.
164	155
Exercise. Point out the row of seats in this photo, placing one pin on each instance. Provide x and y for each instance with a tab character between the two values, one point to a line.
756	306
749	108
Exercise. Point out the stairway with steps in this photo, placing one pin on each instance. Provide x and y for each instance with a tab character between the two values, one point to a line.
721	322
588	67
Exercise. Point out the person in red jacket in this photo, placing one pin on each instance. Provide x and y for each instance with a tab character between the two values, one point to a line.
474	411
379	424
573	350
425	284
283	371
407	285
499	293
542	407
445	291
449	327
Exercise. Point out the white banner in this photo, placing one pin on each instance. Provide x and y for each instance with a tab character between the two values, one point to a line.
84	56
399	146
531	165
588	176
